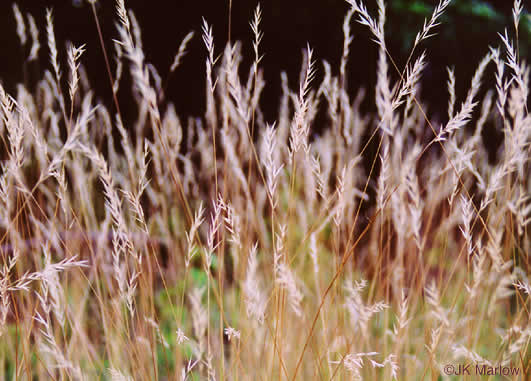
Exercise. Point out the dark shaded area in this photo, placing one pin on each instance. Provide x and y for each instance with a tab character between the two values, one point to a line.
467	29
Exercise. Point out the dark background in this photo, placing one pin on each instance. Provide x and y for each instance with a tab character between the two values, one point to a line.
466	31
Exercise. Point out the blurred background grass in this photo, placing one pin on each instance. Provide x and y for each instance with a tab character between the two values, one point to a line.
468	28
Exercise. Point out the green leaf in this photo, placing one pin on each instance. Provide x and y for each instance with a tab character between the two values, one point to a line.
527	22
199	277
480	9
420	8
485	10
417	6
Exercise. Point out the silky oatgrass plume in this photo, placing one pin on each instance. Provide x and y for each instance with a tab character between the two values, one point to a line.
210	62
258	36
463	162
190	235
200	317
437	13
131	43
74	54
502	86
156	326
123	247
416	205
50	270
451	91
128	151
215	224
181	337
314	253
321	183
15	134
513	62
299	129
50	348
48	344
402	317
347	40
232	334
255	299
365	18
360	312
433	299
384	102
35	43
5	302
271	163
460	351
54	60
233	226
50	283
117	375
521	208
467	224
134	196
412	77
340	191
285	277
181	52
523	286
21	26
354	362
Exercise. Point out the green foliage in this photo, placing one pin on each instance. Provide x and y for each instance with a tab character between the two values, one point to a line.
479	9
199	277
416	7
479	19
466	7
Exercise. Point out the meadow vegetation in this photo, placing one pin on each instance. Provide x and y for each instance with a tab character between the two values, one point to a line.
226	246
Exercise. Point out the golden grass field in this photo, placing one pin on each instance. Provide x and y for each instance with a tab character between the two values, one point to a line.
229	247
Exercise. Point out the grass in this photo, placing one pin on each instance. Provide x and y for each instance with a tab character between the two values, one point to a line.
227	247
